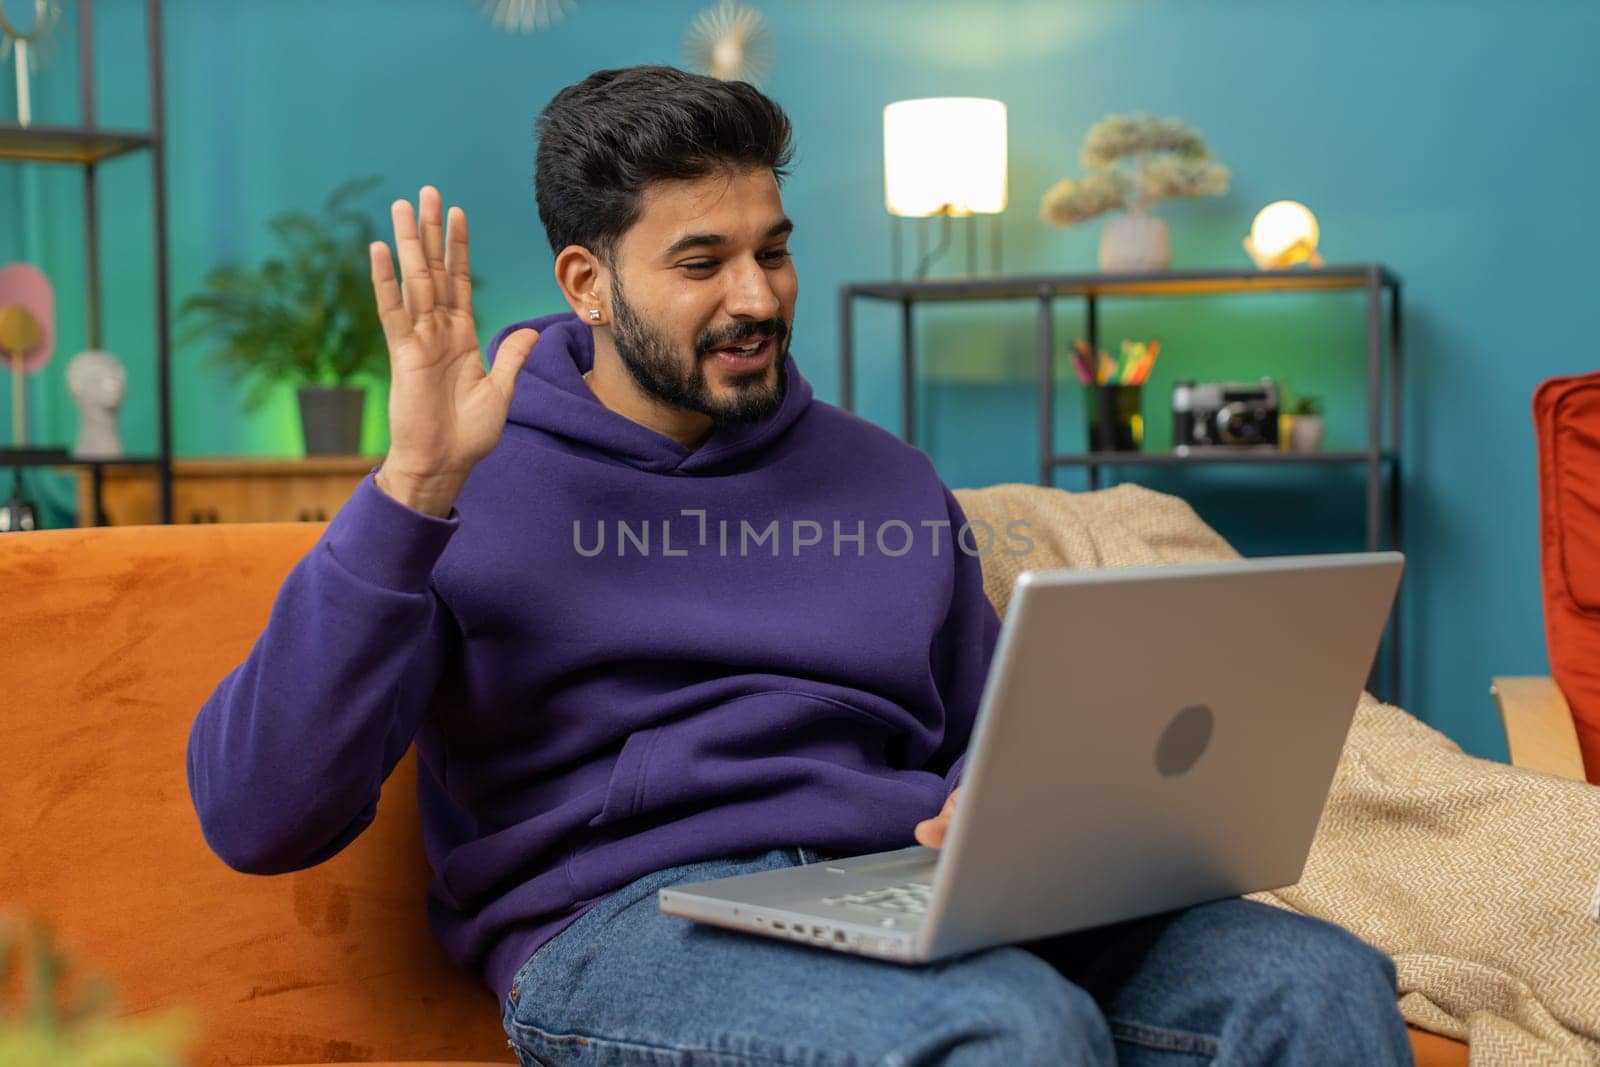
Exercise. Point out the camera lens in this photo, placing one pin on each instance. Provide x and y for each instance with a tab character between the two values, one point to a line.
1240	424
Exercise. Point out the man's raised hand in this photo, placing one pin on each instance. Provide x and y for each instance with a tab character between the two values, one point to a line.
445	412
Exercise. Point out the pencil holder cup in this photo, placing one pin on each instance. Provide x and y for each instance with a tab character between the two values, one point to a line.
1114	417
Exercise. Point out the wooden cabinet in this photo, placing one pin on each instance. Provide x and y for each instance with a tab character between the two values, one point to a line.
227	490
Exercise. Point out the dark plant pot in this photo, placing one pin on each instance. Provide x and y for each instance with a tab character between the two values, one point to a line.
330	419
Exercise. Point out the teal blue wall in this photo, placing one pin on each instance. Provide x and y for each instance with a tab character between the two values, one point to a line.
1448	140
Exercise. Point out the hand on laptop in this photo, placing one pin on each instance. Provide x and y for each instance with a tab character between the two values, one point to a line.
931	832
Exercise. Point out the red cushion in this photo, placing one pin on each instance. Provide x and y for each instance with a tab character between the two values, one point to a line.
1566	418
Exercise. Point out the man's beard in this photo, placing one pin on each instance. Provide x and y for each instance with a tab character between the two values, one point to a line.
654	364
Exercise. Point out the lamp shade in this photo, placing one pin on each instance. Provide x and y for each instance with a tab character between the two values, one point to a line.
24	286
944	155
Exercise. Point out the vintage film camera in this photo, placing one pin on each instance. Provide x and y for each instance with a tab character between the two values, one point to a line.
1224	415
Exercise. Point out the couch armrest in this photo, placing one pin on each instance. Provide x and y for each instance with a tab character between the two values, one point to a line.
1539	730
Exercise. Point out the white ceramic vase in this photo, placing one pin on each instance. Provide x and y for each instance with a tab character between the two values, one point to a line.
1133	242
1306	432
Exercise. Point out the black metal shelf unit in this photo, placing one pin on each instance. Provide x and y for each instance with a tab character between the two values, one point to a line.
1380	454
88	146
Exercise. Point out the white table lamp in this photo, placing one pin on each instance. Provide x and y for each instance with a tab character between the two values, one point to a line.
945	156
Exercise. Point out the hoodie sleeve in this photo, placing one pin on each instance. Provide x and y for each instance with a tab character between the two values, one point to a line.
964	645
287	756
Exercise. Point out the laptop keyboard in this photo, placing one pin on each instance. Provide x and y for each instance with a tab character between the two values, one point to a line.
910	898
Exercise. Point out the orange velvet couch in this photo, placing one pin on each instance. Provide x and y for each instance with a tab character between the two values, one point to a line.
110	640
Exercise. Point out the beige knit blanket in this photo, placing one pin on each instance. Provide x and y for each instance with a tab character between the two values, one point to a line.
1478	878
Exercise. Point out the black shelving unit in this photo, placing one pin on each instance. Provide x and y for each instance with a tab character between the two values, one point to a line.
1380	456
88	146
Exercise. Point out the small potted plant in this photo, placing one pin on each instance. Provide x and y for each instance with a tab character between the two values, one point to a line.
1306	427
1169	160
306	317
51	1022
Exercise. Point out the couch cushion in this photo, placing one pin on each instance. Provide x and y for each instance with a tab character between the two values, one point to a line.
112	638
1432	1050
1566	414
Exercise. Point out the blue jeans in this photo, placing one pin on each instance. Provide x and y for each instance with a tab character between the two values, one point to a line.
1231	982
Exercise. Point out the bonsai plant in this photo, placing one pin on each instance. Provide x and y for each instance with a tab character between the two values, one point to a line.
41	1026
305	317
1306	427
1168	160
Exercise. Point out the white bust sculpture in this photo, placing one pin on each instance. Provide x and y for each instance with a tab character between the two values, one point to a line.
97	382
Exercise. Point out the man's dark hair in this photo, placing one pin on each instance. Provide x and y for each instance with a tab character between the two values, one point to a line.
604	139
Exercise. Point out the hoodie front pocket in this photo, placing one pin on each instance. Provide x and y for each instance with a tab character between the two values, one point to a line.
625	789
763	743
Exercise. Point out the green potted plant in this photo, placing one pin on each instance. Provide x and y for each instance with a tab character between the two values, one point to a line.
1168	160
1306	426
41	1025
305	317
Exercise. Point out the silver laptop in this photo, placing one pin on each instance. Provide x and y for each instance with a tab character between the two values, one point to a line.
1148	738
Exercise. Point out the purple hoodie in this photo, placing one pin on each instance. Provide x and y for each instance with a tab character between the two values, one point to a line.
617	654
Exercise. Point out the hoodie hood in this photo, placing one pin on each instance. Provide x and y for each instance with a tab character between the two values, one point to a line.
552	397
